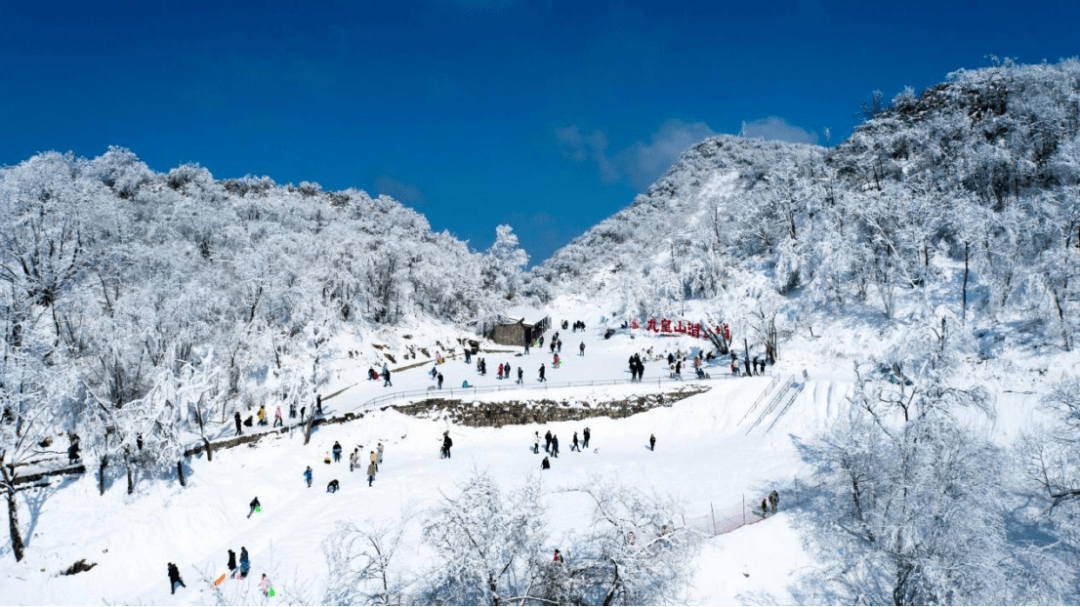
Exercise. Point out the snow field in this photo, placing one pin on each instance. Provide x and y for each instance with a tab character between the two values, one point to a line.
703	457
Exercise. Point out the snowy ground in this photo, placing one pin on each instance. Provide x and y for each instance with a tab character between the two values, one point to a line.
704	457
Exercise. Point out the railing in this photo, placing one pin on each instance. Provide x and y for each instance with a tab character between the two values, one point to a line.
773	402
733	517
760	398
473	390
790	401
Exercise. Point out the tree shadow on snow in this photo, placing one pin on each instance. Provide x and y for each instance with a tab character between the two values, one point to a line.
35	500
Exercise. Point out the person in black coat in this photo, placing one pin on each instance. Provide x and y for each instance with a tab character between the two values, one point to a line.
586	436
554	445
446	444
652	442
236	418
174	578
254	505
542	369
545	465
232	560
547	441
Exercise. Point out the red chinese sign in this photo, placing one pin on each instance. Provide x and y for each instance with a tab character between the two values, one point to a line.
693	329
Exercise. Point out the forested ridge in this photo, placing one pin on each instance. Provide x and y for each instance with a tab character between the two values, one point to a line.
134	302
968	192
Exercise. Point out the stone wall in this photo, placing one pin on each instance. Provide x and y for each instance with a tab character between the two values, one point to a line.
539	411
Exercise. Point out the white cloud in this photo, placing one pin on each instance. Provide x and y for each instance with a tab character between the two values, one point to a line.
642	163
398	190
776	128
639	164
579	147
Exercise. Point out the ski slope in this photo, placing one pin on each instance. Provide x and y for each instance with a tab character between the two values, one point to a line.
709	454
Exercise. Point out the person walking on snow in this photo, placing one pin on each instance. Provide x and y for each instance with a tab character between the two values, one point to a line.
264	585
231	565
554	445
521	372
337	452
378	451
440	381
652	442
586	436
536	445
278	421
542	372
371	470
375	460
174	578
446	444
547	442
386	378
236	418
500	375
245	562
307	476
582	349
574	446
354	460
262	415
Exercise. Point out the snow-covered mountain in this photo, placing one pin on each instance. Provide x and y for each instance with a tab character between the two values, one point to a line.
965	195
923	439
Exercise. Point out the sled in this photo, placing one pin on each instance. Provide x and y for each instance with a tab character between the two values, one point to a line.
271	591
258	508
220	579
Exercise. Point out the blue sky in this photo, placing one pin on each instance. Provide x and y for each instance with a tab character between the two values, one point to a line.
546	115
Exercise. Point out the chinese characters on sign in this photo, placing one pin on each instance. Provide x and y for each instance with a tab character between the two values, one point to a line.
693	329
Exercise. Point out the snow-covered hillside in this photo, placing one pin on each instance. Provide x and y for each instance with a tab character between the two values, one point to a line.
912	290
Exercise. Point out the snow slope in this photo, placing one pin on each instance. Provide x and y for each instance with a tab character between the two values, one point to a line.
704	457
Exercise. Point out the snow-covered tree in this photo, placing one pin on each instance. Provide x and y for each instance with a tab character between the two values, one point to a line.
488	542
911	508
504	262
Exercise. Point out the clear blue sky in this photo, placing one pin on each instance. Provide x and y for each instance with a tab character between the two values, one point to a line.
546	115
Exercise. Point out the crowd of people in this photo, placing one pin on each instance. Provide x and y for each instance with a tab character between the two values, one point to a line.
676	361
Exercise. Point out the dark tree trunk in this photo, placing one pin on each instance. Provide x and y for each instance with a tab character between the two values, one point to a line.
8	474
13	524
127	464
963	312
180	472
101	473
